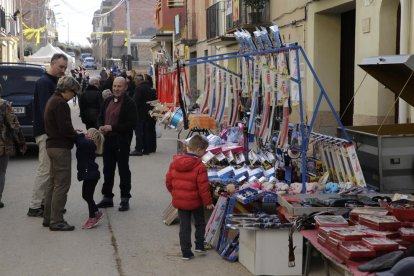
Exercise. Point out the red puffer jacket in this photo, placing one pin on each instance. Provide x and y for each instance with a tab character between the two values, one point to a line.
187	181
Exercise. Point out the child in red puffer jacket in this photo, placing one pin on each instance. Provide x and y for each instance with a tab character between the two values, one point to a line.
187	181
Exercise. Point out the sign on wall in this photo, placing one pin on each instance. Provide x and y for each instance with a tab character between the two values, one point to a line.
229	7
236	10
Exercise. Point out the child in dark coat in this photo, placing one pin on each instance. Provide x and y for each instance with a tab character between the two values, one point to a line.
187	181
88	170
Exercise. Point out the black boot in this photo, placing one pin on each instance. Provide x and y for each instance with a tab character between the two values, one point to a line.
124	206
106	202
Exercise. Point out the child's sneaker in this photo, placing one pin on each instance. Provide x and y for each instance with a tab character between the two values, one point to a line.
91	222
187	257
98	216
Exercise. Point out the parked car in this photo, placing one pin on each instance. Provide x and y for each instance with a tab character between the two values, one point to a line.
18	82
85	55
72	54
89	63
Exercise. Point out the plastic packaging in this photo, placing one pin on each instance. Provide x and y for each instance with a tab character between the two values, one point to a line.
380	223
380	244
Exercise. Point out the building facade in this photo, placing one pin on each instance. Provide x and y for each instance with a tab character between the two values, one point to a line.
39	21
335	34
109	37
9	38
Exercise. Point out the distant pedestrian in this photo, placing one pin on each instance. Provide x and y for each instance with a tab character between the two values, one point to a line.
90	102
150	135
60	139
11	137
117	120
109	82
44	89
140	96
87	146
104	76
187	181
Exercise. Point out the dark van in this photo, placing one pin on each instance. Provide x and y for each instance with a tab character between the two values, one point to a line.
18	82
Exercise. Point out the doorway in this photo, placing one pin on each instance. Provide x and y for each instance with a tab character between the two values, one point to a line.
347	65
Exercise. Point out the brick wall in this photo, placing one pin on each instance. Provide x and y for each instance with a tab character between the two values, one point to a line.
142	12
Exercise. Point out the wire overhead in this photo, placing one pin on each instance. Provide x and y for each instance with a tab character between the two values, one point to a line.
114	8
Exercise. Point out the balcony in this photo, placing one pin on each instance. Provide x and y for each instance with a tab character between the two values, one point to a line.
246	18
216	22
186	33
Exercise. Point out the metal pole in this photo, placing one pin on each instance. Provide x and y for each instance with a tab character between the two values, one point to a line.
21	32
128	28
68	34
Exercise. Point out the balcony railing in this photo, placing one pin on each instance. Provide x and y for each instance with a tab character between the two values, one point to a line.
246	16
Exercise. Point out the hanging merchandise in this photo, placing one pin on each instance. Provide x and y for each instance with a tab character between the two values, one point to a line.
266	100
213	90
222	102
255	96
294	86
181	96
206	89
234	100
219	94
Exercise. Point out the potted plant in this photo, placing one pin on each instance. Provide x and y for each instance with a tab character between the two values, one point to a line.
256	7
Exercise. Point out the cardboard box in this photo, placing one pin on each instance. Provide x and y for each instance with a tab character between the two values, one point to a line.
266	252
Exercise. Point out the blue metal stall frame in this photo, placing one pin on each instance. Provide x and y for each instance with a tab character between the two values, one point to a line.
323	94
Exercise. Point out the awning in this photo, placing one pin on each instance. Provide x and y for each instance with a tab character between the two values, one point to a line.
394	72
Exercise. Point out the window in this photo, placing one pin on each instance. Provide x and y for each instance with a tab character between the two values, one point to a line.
175	3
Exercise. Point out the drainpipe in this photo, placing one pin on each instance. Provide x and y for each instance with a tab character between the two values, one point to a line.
404	49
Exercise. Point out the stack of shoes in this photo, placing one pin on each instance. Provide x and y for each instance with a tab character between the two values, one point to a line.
92	222
61	226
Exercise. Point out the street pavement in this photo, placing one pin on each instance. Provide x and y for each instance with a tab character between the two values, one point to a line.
125	243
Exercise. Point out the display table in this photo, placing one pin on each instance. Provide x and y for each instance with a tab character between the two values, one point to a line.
349	267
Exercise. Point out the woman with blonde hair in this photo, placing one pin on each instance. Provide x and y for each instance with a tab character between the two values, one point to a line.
88	170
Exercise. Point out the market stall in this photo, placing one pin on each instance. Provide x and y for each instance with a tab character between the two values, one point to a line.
268	170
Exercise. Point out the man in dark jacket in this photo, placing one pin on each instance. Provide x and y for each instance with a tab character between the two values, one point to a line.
44	89
145	130
117	120
140	96
90	103
150	136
